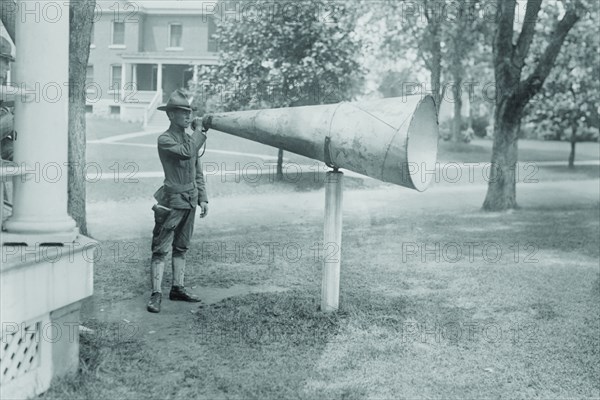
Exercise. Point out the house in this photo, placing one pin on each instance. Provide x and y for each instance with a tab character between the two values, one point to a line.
46	265
141	51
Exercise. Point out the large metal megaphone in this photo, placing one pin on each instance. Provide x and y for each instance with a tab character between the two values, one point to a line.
393	140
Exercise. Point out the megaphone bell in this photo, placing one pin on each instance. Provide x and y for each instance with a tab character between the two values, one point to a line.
393	140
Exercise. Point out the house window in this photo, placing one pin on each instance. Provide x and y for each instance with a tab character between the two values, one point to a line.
92	35
175	33
89	109
115	77
115	110
89	75
118	33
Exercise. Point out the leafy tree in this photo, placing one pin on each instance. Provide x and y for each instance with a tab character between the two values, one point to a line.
281	55
568	101
511	61
393	83
444	34
463	35
409	26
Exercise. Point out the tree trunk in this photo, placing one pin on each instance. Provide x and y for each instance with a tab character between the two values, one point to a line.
436	69
80	35
574	129
279	176
509	60
457	121
502	193
456	94
457	76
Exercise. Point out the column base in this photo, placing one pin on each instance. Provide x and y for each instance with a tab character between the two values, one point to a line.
38	239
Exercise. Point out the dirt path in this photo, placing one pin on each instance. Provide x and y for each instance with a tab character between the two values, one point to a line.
134	320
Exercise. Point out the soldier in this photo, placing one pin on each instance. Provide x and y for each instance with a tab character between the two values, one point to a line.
182	191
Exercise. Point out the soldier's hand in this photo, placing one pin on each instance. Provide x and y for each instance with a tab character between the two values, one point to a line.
196	123
203	209
206	123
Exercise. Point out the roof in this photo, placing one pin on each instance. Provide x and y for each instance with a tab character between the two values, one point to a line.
163	7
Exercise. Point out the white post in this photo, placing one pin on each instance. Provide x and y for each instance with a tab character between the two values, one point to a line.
123	82
134	76
332	242
41	122
159	79
195	75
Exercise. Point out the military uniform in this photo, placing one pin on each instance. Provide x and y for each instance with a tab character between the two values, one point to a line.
182	191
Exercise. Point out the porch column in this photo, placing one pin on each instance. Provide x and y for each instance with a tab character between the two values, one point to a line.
159	78
41	122
123	81
134	76
195	76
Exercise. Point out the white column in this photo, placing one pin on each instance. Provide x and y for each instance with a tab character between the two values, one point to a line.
195	76
159	79
123	82
332	242
41	122
134	76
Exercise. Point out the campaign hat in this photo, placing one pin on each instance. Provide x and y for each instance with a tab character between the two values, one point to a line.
178	101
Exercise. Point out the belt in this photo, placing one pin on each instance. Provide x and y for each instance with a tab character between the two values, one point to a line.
174	188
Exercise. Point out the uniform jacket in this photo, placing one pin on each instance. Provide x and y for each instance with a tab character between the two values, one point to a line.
184	185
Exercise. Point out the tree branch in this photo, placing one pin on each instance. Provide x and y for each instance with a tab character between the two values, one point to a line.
503	45
532	85
527	32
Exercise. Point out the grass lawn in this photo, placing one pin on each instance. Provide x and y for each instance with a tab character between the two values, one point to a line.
100	127
529	150
412	323
440	301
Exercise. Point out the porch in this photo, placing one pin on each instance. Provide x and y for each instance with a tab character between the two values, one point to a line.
152	78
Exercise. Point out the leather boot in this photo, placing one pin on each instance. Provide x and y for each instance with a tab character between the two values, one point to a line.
154	303
178	293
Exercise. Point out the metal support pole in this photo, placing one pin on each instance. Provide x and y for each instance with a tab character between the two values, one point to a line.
332	243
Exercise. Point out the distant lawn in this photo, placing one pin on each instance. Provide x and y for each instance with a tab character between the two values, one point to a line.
100	127
529	150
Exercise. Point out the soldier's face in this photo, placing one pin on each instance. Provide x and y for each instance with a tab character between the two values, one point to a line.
181	118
